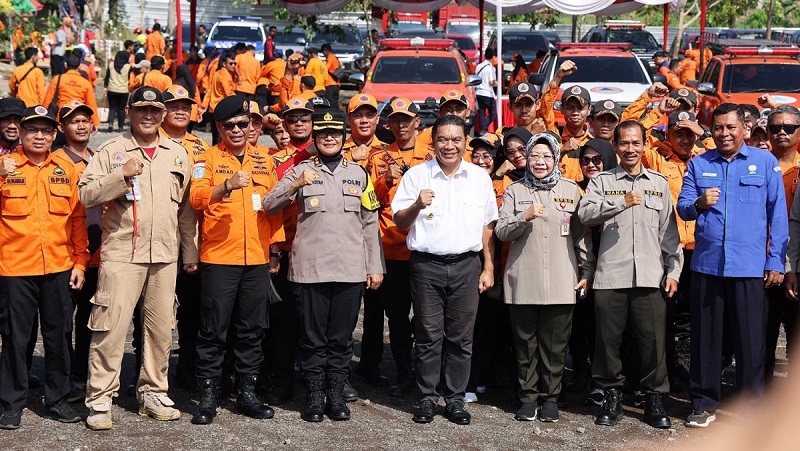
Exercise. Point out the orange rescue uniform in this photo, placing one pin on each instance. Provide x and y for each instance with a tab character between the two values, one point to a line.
570	164
222	85
194	145
31	88
332	64
43	223
235	229
72	87
153	78
154	45
374	146
249	71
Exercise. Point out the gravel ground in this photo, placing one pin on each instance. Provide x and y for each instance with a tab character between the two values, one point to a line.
379	421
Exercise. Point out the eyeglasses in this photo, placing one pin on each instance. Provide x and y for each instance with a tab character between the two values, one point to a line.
42	130
359	116
229	126
515	150
776	128
536	157
330	134
257	123
482	156
296	119
595	160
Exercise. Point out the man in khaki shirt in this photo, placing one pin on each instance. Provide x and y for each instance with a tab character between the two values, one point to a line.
142	179
639	253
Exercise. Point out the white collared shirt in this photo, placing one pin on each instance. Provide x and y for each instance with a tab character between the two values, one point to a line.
462	205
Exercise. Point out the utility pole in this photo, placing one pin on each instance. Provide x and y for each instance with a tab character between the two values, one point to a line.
769	18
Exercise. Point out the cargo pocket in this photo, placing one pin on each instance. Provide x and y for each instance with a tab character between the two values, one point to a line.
15	201
100	319
176	190
751	189
4	329
60	197
352	198
313	198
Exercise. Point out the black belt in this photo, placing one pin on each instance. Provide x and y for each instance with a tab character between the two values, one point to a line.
448	259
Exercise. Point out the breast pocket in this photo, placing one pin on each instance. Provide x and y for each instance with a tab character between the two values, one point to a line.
60	196
313	198
751	189
176	187
352	197
705	183
15	202
653	206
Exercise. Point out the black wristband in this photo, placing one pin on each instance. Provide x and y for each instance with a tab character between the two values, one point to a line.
225	185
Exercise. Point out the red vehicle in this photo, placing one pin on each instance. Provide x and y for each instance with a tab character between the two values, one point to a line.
393	22
467	45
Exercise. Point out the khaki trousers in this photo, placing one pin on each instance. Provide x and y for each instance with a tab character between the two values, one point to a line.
120	286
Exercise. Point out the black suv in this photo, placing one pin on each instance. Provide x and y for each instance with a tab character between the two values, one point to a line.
643	44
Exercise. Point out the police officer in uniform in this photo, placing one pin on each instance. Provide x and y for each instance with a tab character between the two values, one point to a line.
228	188
639	253
337	248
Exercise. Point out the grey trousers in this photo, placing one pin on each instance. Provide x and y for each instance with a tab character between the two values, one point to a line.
648	312
445	299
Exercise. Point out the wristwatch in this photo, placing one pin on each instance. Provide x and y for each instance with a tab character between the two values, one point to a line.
277	255
706	134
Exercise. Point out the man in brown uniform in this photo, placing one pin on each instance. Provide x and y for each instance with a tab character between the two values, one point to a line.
142	179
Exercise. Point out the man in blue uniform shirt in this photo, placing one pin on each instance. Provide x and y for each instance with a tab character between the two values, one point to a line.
735	192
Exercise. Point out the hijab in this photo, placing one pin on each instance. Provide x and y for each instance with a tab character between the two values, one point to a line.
121	59
548	182
606	151
183	77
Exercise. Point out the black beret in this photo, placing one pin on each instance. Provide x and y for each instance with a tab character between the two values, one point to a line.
232	106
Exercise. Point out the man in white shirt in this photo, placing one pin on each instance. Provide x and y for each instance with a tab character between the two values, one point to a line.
449	206
484	93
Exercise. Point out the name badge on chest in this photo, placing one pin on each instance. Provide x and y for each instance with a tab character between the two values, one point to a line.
135	193
565	226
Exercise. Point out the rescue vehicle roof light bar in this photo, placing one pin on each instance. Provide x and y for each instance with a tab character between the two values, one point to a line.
594	45
624	25
258	19
417	43
762	50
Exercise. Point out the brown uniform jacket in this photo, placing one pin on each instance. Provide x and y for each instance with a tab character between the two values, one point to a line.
337	236
639	246
548	255
165	220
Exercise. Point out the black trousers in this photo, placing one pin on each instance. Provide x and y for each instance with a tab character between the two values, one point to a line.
57	65
394	298
332	93
116	108
280	340
781	311
445	298
20	299
647	312
187	288
493	343
83	335
328	316
233	298
744	301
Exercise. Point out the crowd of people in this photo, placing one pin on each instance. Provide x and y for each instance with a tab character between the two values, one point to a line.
499	253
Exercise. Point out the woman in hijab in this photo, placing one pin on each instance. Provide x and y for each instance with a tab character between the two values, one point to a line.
549	261
511	161
337	248
596	156
116	89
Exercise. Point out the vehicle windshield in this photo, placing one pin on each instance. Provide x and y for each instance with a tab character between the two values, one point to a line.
288	38
408	25
473	31
238	33
606	69
640	40
416	70
762	78
528	43
338	35
463	43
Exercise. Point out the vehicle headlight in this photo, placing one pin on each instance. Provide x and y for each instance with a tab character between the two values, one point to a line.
557	105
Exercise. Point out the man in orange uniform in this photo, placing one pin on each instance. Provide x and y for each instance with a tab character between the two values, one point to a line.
331	83
223	84
452	102
362	118
75	122
27	81
151	76
576	106
43	237
178	106
155	45
394	295
270	76
207	67
249	70
228	189
317	69
307	87
71	86
284	320
289	85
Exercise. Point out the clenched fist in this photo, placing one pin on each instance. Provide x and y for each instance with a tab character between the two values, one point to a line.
393	174
709	198
658	90
425	198
7	167
533	212
306	178
132	168
570	145
360	153
633	198
567	68
669	105
239	180
766	101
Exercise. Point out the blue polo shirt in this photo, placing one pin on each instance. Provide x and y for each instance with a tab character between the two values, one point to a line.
747	231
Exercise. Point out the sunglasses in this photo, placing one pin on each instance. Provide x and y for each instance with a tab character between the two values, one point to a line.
296	119
595	160
776	128
231	125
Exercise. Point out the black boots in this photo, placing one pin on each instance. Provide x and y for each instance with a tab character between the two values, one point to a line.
247	403
313	411
336	408
611	410
654	413
207	409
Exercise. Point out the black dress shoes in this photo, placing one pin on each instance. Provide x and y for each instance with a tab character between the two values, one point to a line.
424	412
457	414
